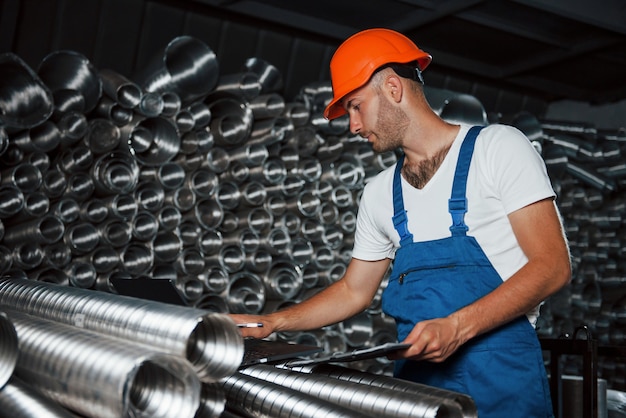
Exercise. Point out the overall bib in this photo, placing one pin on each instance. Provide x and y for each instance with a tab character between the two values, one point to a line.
501	370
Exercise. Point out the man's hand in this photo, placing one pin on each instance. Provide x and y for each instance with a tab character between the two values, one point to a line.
256	331
434	340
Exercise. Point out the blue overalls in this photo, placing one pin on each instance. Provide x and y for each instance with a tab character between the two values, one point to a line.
501	370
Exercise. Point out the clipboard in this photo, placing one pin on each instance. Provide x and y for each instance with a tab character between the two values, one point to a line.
359	354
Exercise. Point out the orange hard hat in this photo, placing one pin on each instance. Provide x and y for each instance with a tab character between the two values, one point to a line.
359	56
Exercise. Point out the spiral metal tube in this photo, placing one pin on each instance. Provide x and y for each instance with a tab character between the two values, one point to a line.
100	376
20	400
211	343
380	402
251	396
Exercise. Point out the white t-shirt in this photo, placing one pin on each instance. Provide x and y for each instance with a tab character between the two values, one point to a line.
506	174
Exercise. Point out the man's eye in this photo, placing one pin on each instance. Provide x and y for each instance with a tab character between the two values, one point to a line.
357	107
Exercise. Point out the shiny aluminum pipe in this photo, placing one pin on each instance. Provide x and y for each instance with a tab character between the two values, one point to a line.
269	76
101	376
361	398
212	343
20	400
25	177
187	67
26	101
45	230
245	293
8	348
250	396
71	72
232	119
11	201
283	281
119	88
244	84
267	106
460	405
42	138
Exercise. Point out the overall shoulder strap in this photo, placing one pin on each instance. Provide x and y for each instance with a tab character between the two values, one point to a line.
457	204
400	220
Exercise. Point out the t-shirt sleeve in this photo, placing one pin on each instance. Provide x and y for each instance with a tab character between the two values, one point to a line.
519	172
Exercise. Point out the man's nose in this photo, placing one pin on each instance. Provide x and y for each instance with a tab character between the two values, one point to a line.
355	125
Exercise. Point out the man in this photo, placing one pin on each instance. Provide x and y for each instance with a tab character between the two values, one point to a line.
468	218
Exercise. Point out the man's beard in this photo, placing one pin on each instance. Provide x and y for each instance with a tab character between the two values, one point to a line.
390	127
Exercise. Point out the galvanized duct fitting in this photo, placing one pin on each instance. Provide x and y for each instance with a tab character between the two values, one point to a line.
186	67
459	404
212	401
73	80
268	75
100	376
8	348
20	400
120	89
212	343
362	398
24	99
250	396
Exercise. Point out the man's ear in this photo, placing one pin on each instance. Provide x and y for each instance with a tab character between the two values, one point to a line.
394	87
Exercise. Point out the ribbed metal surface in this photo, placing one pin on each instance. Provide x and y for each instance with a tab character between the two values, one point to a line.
369	400
8	348
101	376
20	400
253	397
211	342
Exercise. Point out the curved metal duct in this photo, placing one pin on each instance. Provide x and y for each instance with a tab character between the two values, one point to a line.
73	80
251	396
110	377
464	108
8	349
24	99
186	67
212	343
462	404
119	88
269	76
20	400
361	398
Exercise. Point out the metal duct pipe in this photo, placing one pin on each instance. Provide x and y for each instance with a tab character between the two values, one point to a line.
216	160
70	72
379	402
258	261
186	67
276	241
20	400
458	402
154	140
245	293
8	349
53	183
11	201
244	84
212	401
267	106
283	281
26	101
230	257
271	131
269	76
212	343
45	230
168	218
25	177
251	396
110	377
232	120
119	88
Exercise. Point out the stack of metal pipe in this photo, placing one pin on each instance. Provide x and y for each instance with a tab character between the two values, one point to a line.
245	200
